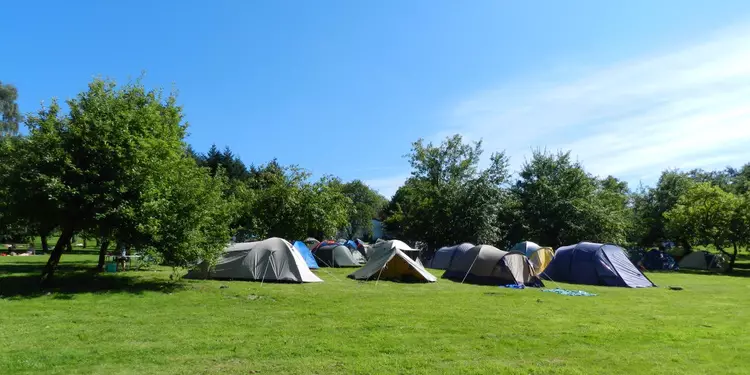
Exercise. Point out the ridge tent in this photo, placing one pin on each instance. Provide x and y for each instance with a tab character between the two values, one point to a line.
306	254
701	260
446	255
525	247
334	255
659	260
595	264
273	259
485	264
541	258
413	254
393	260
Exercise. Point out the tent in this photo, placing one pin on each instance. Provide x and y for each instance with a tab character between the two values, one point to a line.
335	255
659	261
485	264
541	258
393	260
413	254
445	256
358	250
363	248
311	242
273	259
306	254
526	247
595	264
701	260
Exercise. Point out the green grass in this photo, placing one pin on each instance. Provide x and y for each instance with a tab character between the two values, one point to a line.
139	323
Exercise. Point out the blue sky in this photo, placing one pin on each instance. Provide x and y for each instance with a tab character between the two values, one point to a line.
344	87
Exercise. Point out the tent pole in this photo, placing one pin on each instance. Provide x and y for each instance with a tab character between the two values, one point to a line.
325	263
380	272
265	270
471	266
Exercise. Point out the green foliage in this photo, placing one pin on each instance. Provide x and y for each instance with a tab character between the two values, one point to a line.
559	203
280	202
10	117
367	204
650	205
707	215
214	159
448	199
113	166
189	215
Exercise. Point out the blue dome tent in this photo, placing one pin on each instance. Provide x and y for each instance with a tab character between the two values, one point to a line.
306	254
595	264
659	261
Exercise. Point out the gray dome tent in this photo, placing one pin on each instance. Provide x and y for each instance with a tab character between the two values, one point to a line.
702	260
444	257
274	259
485	264
335	255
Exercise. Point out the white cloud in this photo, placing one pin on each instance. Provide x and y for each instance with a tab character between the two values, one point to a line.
685	108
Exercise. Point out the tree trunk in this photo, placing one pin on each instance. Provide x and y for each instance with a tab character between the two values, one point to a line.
102	255
97	241
54	257
85	244
732	258
45	247
69	246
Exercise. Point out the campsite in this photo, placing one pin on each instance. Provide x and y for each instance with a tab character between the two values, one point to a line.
138	322
383	187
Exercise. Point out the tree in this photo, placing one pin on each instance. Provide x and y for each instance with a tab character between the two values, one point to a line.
326	208
188	215
366	205
708	215
651	204
101	167
741	180
233	167
448	199
612	218
10	117
281	202
559	203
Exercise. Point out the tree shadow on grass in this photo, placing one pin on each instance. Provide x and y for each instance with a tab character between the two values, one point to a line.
18	280
739	271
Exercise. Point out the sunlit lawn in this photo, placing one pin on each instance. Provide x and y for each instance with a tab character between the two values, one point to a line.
138	323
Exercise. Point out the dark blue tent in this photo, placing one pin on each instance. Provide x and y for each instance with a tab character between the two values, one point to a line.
306	254
659	261
444	257
595	264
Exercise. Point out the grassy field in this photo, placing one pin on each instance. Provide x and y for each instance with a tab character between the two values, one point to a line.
139	323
